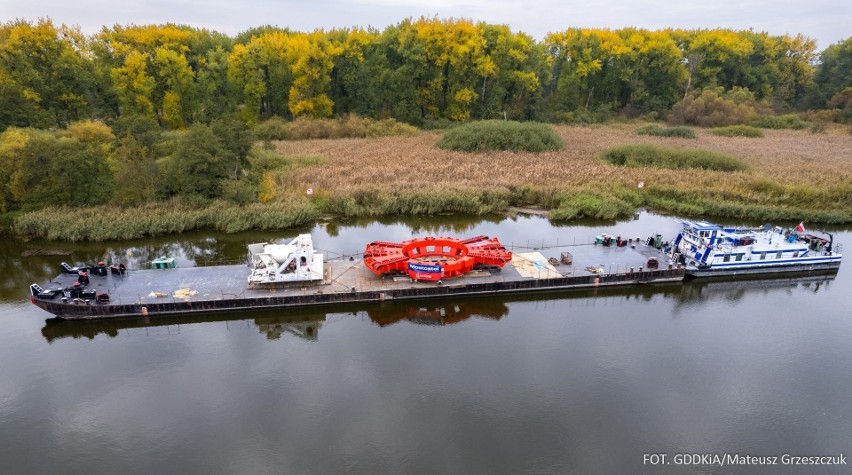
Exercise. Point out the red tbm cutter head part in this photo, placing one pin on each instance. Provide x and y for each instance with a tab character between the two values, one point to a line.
434	258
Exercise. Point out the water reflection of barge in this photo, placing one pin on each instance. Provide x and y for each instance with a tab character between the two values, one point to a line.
223	288
306	323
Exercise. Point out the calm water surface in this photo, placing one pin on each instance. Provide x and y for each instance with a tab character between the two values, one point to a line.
570	382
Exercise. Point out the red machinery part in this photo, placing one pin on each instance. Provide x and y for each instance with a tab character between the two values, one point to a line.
434	258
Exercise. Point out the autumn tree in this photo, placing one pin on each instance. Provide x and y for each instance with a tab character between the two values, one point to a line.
158	70
358	73
44	77
834	73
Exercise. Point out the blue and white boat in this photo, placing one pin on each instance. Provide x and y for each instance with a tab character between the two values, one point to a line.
710	250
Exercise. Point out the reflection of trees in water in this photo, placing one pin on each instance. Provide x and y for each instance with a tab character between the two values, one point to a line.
440	224
200	251
19	272
308	330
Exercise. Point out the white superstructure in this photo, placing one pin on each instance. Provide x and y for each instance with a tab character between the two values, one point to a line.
711	250
281	263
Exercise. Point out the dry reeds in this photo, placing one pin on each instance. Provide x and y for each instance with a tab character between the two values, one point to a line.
792	175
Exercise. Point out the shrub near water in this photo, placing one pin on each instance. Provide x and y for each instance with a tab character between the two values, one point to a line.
737	131
672	158
787	121
656	130
350	126
494	135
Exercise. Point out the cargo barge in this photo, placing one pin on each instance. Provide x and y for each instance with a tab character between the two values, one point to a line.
115	292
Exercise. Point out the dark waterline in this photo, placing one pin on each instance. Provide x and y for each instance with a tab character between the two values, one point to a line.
579	382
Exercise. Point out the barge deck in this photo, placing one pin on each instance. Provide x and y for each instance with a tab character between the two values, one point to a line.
224	288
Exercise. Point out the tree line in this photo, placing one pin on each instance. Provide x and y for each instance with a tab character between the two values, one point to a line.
417	71
135	114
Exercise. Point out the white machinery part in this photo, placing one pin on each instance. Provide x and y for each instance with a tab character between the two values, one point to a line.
280	263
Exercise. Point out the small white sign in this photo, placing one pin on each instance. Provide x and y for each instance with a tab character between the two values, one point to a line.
310	191
641	184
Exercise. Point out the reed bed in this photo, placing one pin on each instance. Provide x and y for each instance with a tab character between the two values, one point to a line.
737	131
786	121
647	155
791	175
105	223
499	135
659	131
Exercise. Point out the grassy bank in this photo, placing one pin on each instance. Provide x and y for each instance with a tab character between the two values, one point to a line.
113	223
792	175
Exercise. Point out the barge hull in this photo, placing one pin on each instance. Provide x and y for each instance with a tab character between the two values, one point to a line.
95	311
832	266
148	293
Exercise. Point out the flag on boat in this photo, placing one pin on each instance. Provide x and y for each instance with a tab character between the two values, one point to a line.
801	227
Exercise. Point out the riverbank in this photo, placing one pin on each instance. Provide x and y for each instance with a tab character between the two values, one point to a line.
791	176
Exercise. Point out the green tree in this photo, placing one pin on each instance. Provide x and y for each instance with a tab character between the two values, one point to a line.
358	72
59	171
13	141
134	172
44	78
200	162
834	72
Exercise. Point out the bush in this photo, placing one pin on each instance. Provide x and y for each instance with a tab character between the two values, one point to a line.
351	126
591	205
819	127
715	108
438	124
388	128
656	130
824	115
787	121
587	117
491	135
274	128
671	158
737	131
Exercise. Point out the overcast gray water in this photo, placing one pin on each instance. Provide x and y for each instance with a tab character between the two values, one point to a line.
566	382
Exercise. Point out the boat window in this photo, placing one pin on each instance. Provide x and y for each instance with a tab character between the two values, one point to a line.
727	258
739	257
447	250
430	249
762	255
779	254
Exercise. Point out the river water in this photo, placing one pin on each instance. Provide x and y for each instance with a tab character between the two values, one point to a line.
566	382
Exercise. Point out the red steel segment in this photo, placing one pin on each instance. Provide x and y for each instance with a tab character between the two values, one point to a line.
434	258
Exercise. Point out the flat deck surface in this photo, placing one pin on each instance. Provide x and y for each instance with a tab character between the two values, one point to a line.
196	284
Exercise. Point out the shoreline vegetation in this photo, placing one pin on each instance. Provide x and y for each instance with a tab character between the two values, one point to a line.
789	175
141	130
